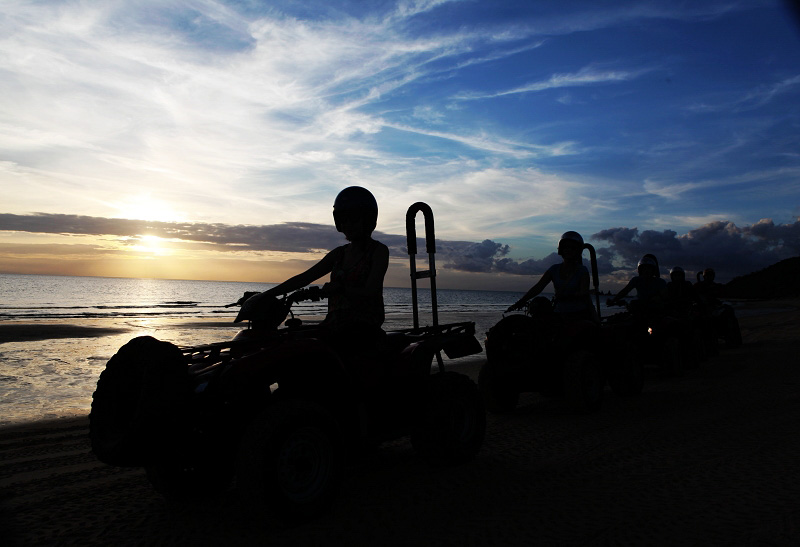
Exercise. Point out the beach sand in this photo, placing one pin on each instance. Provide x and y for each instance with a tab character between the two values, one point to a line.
709	458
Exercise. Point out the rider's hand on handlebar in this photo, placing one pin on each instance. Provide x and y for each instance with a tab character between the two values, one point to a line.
518	305
245	297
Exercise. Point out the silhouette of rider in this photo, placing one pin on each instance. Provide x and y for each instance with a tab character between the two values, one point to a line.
357	269
709	290
570	280
681	294
650	288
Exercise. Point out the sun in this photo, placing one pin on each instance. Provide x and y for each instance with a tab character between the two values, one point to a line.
151	244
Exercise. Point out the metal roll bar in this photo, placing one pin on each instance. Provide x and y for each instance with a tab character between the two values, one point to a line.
430	273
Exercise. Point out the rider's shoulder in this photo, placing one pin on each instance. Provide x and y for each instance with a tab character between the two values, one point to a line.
554	269
338	252
380	247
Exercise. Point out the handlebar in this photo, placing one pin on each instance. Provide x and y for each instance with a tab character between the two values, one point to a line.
314	294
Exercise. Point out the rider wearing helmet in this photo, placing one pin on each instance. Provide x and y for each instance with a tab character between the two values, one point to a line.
570	280
681	295
357	269
650	288
710	291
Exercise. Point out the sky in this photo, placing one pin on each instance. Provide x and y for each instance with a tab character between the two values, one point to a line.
202	139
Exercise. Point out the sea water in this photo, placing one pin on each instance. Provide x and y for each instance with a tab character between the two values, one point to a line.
66	297
55	377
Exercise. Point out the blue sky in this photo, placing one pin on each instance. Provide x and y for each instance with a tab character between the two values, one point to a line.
218	133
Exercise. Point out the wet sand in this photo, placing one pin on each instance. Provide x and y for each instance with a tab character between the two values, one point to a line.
33	332
709	458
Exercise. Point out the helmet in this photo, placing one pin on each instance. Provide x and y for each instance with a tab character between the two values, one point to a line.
570	238
355	203
648	260
678	272
651	255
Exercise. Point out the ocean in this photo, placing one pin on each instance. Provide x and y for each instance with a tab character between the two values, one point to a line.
37	297
56	376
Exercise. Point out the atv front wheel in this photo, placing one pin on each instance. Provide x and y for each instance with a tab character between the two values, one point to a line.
291	461
139	406
452	423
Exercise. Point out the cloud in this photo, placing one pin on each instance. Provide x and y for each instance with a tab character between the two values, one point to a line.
201	103
474	257
729	249
586	76
290	237
755	98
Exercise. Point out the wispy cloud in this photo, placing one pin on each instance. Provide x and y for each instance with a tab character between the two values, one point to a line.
586	76
133	102
674	190
750	100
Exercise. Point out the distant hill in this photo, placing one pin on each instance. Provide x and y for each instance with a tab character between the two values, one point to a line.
780	280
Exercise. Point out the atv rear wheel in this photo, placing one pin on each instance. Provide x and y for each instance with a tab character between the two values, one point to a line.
291	461
140	403
583	382
452	423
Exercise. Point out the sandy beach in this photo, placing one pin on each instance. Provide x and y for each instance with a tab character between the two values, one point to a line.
709	458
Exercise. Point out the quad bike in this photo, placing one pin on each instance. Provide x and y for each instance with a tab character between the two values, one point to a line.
277	412
538	351
656	338
691	324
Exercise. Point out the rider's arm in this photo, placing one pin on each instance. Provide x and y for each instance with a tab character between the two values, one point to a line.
323	267
533	291
624	292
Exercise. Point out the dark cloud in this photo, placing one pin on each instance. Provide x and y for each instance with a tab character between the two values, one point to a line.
530	266
722	245
729	249
288	237
473	257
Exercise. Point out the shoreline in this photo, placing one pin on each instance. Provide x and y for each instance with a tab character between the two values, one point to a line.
712	457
